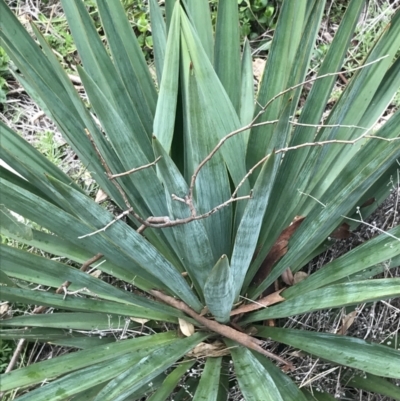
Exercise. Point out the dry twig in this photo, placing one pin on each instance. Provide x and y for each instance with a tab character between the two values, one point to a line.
226	331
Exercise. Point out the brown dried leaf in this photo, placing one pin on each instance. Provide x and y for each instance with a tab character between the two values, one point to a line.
187	329
258	68
299	276
287	277
347	321
277	251
251	331
100	196
368	202
139	320
342	232
4	308
96	273
215	350
261	303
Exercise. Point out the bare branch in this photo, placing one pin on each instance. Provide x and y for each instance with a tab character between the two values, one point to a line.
119	217
310	144
374	227
226	331
64	286
115	182
330	74
312	197
134	170
328	125
165	221
262	111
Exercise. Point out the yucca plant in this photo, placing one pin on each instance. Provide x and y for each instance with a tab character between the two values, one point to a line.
224	195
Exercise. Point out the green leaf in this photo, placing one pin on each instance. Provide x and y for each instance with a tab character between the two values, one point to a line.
55	336
289	180
159	35
28	161
131	151
216	103
48	84
86	304
10	224
377	250
148	368
171	381
200	144
209	382
332	296
113	79
350	109
219	290
200	17
61	247
249	228
4	279
129	61
135	348
372	358
226	51
264	188
275	78
193	244
76	382
36	269
144	253
14	178
147	196
376	384
71	320
30	334
261	381
164	121
247	89
56	220
287	388
372	160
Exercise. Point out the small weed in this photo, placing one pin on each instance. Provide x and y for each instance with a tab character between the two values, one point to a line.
6	351
47	145
4	73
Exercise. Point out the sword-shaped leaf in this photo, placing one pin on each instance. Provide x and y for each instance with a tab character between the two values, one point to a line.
219	290
368	357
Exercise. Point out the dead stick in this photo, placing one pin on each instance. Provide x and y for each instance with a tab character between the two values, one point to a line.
269	300
67	283
226	331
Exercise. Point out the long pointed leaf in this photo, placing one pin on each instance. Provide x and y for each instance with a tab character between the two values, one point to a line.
333	296
209	381
145	254
148	368
194	246
372	358
219	290
164	121
38	372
